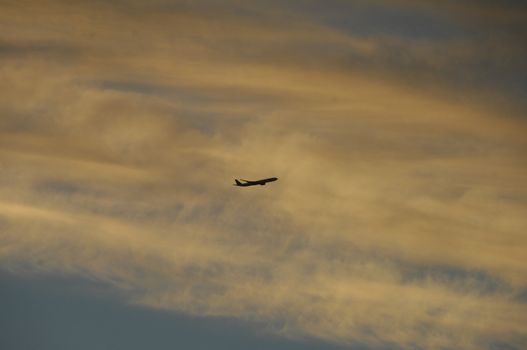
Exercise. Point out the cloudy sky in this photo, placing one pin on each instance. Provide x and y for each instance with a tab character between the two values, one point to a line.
397	129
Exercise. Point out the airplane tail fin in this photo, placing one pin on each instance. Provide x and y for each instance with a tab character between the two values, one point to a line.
238	182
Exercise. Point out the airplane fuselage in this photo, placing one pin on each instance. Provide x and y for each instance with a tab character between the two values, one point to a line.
254	183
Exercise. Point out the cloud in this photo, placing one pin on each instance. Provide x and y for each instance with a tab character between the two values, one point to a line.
398	218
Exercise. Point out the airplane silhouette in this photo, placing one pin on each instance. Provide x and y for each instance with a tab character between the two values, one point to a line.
254	183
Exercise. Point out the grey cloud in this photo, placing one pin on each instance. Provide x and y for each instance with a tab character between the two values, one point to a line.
466	281
135	87
43	49
62	187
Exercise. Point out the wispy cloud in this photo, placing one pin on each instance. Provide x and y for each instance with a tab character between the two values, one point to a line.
398	219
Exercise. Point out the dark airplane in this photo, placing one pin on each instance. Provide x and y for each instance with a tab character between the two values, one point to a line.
254	183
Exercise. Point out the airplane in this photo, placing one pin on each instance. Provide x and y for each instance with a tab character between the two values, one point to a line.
254	183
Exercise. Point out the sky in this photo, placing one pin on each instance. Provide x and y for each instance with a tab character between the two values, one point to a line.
397	130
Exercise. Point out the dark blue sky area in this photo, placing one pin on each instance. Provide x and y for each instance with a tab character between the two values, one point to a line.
54	313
